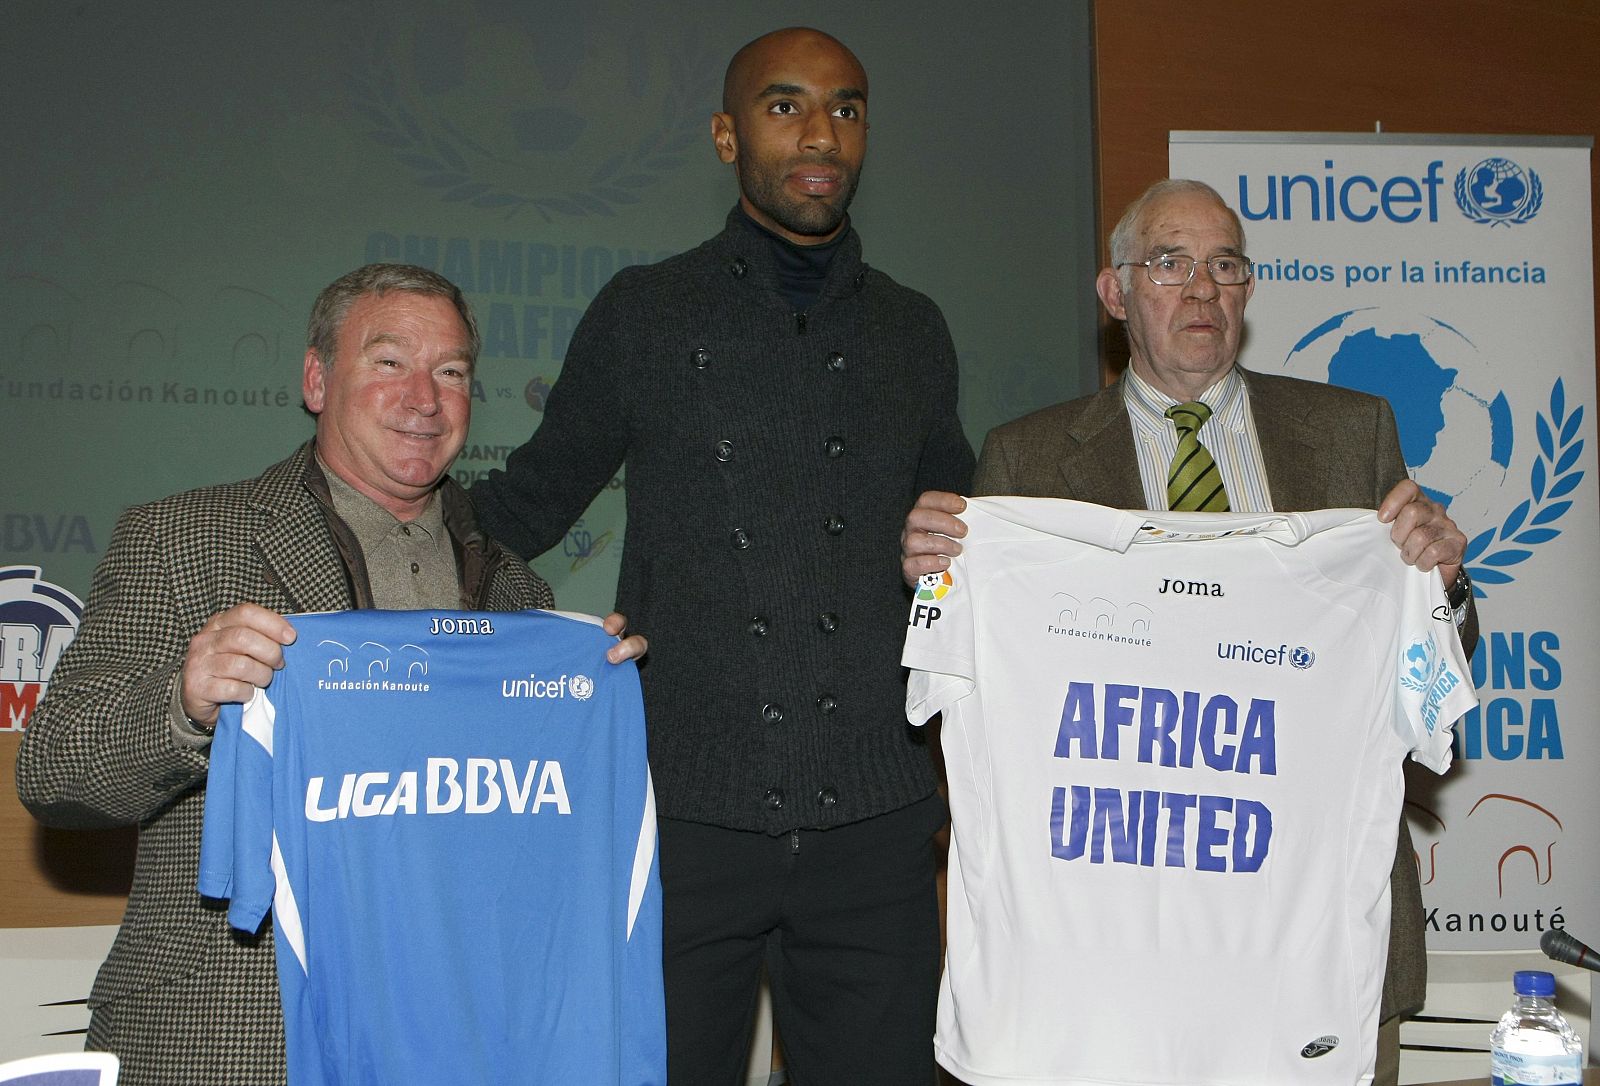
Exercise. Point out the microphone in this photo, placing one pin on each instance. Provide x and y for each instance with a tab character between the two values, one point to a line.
1561	947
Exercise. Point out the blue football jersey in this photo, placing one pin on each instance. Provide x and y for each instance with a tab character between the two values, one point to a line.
450	816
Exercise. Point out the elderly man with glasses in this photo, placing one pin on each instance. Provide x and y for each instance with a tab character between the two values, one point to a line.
1187	428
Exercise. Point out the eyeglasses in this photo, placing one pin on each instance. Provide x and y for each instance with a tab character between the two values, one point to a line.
1175	270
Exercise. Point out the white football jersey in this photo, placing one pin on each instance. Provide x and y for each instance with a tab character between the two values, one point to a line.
1174	746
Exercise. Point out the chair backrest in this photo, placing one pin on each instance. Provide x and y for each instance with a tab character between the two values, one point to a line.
1468	991
62	1069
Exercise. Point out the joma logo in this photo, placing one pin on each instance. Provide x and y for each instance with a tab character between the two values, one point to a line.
461	626
1189	588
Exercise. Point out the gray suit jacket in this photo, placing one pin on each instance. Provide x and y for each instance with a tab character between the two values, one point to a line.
182	997
1325	447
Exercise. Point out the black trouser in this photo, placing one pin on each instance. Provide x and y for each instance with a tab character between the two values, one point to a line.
847	922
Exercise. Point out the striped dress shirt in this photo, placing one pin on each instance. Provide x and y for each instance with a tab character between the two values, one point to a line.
1229	435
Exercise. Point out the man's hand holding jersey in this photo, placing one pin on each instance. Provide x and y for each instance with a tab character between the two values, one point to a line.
1424	532
237	650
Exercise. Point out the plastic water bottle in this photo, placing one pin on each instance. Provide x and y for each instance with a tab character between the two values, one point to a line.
1533	1045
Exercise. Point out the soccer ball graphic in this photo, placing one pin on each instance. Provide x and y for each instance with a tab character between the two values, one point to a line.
1455	423
934	586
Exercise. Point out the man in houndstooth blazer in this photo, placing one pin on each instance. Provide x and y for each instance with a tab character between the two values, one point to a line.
185	613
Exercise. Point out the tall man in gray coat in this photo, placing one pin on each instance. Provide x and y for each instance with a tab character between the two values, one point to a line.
1180	280
185	613
777	405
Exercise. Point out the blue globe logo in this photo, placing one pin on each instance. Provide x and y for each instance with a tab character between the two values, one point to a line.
1455	424
1498	192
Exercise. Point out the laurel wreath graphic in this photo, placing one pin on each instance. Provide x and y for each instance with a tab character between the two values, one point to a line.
462	171
1469	206
1554	475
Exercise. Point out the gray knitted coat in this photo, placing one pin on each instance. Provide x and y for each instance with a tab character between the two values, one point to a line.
770	460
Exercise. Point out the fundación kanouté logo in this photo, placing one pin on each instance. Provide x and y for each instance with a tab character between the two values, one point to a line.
1099	618
1498	192
372	665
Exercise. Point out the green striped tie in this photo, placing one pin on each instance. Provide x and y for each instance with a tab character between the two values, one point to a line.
1193	484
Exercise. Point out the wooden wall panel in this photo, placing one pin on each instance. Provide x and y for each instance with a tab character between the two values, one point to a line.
51	878
1472	66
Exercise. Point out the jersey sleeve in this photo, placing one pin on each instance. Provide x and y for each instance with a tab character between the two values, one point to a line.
939	642
236	835
216	828
1433	681
642	1017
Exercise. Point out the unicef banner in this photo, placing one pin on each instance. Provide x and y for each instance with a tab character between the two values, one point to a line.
1452	276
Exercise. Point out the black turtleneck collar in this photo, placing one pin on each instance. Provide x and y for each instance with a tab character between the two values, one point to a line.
802	269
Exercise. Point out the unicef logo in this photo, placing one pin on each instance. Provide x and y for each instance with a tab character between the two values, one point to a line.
525	107
582	687
1456	429
934	586
1302	657
1419	665
1499	192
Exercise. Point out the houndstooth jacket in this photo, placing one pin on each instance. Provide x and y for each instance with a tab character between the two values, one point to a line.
183	998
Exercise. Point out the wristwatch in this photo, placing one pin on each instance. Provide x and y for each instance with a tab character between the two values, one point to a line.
1458	595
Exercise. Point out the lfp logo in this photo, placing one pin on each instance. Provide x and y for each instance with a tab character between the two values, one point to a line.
38	620
1498	192
931	587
